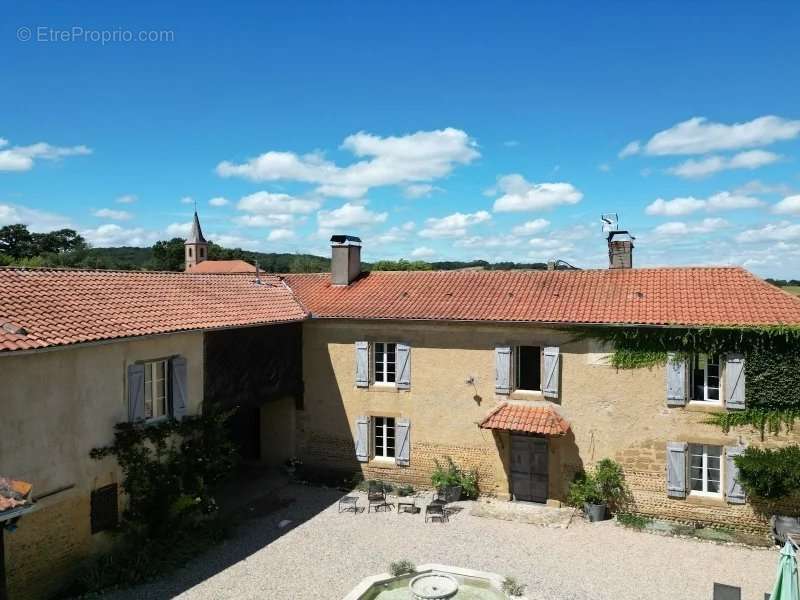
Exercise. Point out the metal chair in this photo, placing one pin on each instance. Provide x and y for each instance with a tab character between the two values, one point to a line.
437	509
376	496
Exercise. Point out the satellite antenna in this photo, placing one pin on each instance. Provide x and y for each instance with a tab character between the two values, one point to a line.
610	222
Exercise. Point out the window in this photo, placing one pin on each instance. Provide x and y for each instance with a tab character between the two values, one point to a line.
103	512
705	378
383	437
190	252
155	389
202	252
705	469
384	362
528	368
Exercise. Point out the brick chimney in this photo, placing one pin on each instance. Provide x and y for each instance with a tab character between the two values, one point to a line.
620	250
345	259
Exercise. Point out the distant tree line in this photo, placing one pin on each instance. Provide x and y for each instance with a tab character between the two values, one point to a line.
784	282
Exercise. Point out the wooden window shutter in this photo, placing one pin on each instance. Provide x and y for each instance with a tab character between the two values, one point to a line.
362	364
676	469
403	359
135	392
179	400
402	432
734	492
552	362
362	439
734	381
502	369
676	380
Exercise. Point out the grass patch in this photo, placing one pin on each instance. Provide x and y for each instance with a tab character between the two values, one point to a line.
793	289
633	521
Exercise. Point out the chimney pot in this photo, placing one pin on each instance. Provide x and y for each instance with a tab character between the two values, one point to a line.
345	259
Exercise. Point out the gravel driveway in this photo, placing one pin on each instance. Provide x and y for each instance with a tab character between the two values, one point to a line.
323	554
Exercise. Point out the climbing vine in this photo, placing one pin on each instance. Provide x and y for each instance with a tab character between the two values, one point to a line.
772	364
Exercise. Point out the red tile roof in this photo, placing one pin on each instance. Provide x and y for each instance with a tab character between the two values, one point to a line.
222	266
53	307
521	418
667	296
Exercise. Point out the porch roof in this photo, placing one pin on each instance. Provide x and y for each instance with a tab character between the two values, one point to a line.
522	418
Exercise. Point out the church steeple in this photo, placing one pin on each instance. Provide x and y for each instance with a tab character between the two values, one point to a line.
196	246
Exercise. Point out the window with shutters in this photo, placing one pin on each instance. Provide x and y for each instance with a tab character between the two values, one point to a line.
156	404
528	368
705	378
705	470
383	437
384	363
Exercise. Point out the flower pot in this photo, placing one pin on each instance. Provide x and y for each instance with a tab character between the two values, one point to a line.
595	512
782	525
450	493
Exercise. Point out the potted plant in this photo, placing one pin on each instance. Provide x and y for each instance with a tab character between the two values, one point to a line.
600	490
450	481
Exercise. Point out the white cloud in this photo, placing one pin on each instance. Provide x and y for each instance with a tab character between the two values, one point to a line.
126	199
268	203
698	135
36	220
187	200
454	225
277	235
777	232
531	227
114	215
395	234
630	149
479	241
395	160
788	206
677	228
752	159
758	187
420	190
422	252
234	241
718	202
604	167
675	207
114	235
23	158
549	244
521	195
179	229
264	220
349	215
219	201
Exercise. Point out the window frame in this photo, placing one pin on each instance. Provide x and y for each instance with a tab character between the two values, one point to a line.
384	364
705	400
704	470
516	370
152	383
383	429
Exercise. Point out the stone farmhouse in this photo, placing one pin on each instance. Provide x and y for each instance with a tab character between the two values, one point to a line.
379	372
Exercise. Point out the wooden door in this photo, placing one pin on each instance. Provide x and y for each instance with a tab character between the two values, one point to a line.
529	474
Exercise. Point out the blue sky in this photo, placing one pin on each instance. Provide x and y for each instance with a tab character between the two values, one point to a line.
432	130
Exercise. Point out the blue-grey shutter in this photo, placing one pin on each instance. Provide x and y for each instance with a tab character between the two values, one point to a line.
402	434
362	364
403	361
362	439
676	380
135	392
177	371
734	492
676	469
502	369
552	361
734	381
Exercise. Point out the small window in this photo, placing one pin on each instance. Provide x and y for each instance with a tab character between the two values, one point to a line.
705	378
383	362
383	437
528	368
705	469
155	389
190	251
104	508
202	252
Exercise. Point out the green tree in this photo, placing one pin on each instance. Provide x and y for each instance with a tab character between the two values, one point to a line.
168	255
58	242
16	241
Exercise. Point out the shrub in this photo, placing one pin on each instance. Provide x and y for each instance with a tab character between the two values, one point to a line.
513	587
451	475
402	567
770	474
604	485
405	490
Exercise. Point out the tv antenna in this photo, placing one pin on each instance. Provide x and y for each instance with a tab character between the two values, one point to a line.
610	222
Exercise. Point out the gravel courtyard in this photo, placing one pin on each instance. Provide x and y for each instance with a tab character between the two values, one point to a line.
323	554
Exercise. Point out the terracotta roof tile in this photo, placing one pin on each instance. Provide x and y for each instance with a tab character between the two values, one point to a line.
222	266
521	418
667	296
51	307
